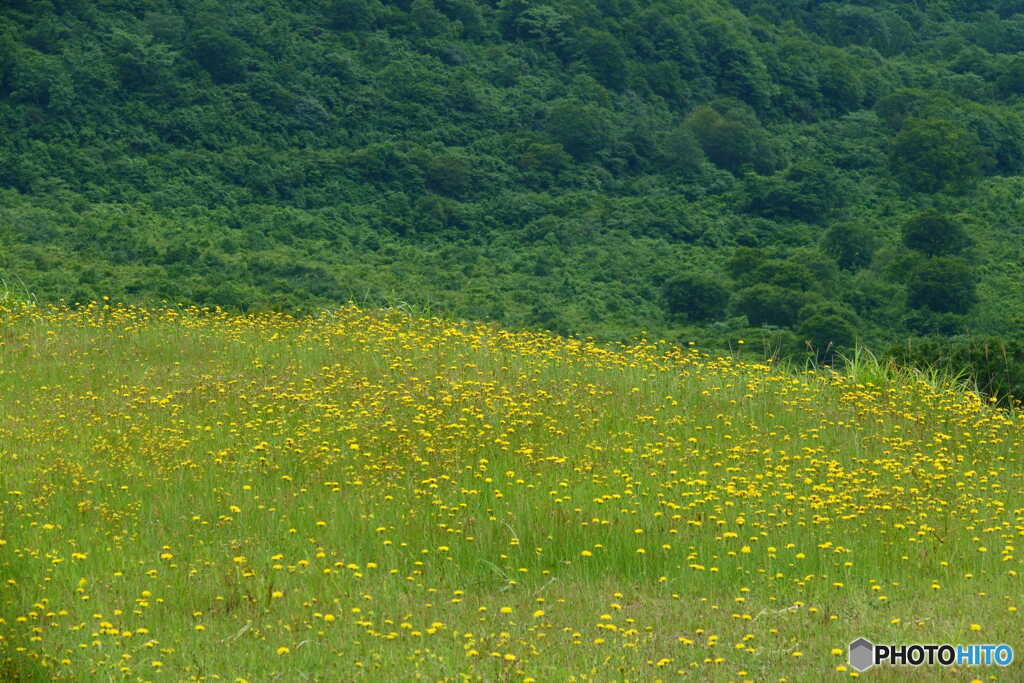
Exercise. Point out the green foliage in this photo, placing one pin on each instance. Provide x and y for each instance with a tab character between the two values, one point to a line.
807	191
852	245
943	284
549	164
734	62
1011	80
680	152
427	19
351	15
782	273
935	234
994	365
828	328
141	61
449	175
219	53
697	296
732	137
934	154
884	31
582	129
605	57
744	261
768	304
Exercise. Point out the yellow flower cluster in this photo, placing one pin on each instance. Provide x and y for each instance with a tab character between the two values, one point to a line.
204	495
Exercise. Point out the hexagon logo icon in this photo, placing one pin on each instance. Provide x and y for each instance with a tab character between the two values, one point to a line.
862	655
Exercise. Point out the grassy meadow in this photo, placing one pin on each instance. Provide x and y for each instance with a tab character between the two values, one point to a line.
368	495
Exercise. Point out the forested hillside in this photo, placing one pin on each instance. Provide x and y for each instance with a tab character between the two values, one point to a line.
791	173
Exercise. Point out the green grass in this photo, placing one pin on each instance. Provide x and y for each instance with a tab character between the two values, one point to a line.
190	495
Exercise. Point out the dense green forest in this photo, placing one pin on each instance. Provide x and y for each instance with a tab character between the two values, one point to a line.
801	175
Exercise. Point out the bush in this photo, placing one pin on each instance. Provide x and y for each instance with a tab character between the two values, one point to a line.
993	364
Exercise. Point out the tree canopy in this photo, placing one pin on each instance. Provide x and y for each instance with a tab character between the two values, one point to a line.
827	173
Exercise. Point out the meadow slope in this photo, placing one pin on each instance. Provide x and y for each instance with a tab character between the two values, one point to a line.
195	495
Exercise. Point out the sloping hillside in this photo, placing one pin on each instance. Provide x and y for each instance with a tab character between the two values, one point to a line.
804	172
370	495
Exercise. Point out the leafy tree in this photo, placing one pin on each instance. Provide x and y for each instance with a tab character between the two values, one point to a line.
925	321
732	139
222	55
807	191
8	59
543	24
44	81
767	304
605	56
680	152
542	163
734	61
935	234
1001	133
166	28
852	245
795	66
827	328
896	107
544	157
351	15
885	31
142	63
433	213
469	14
666	80
428	20
449	175
943	284
696	295
842	86
935	154
784	273
822	268
743	262
1011	80
582	129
